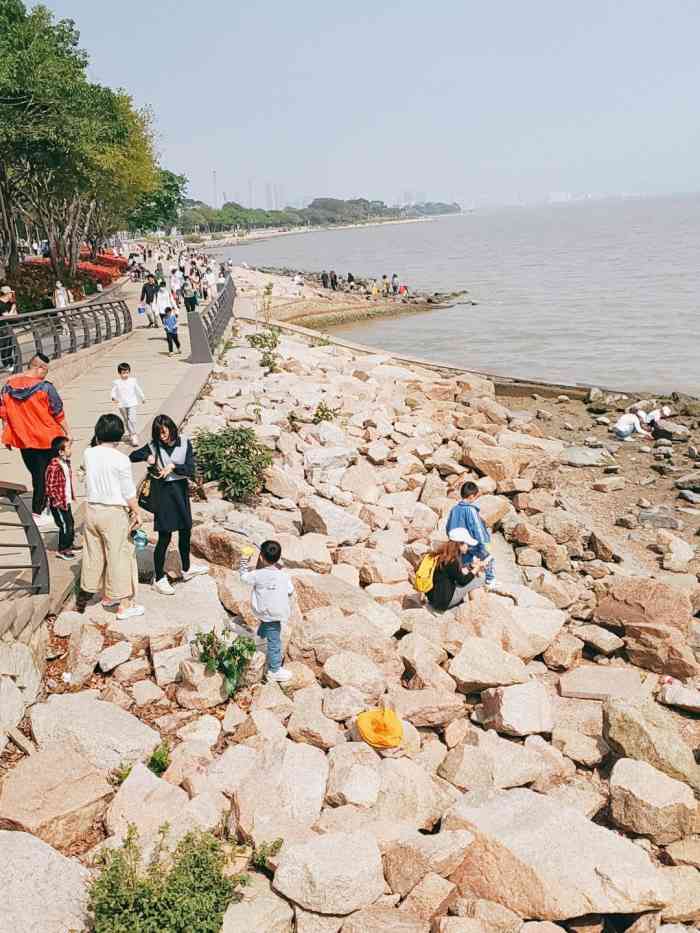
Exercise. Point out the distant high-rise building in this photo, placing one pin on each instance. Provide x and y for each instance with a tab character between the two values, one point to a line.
421	197
250	192
268	196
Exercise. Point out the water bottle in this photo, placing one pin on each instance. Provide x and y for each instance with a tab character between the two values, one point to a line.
140	539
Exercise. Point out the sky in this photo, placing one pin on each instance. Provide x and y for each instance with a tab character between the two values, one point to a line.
499	102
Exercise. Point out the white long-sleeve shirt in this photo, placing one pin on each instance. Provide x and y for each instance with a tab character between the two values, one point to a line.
108	476
272	589
127	392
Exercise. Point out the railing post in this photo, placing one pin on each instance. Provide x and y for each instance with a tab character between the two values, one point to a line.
200	351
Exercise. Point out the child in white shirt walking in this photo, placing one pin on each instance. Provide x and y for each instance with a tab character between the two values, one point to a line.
127	394
272	589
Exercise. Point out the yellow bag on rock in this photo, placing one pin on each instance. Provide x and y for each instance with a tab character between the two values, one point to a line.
380	728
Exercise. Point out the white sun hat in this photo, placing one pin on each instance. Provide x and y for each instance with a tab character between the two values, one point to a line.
462	536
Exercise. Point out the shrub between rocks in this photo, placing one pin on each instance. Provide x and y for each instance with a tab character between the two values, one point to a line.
175	894
234	458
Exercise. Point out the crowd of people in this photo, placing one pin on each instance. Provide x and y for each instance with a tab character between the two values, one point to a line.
375	288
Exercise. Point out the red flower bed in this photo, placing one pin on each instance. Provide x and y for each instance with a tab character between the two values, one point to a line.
105	275
119	262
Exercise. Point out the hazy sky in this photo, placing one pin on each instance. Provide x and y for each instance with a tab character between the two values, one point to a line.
453	99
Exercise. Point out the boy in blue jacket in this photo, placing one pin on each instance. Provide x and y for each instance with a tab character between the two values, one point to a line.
466	515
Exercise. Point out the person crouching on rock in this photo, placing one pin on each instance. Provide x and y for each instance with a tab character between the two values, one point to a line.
466	515
450	583
629	424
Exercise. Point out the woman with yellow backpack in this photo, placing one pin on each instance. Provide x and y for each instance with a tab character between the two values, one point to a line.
440	575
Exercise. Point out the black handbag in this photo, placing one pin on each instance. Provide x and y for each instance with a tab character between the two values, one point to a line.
149	490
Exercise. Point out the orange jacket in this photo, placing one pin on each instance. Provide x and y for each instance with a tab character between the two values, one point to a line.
31	411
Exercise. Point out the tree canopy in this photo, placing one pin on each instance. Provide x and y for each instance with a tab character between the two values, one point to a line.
77	157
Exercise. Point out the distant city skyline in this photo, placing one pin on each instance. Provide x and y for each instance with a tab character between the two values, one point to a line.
499	103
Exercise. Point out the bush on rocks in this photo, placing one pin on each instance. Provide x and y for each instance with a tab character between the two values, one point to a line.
189	891
235	459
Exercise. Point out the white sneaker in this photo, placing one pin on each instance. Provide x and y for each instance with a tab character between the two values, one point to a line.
194	571
163	586
492	585
281	676
130	613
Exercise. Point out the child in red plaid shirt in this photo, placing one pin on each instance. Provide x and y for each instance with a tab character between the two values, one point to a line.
60	494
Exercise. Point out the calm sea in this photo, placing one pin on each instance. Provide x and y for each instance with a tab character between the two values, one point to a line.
604	292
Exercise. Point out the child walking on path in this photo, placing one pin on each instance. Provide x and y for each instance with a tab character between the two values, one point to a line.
60	493
128	395
272	589
170	325
466	515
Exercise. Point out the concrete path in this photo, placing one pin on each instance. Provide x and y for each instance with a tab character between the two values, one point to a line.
169	383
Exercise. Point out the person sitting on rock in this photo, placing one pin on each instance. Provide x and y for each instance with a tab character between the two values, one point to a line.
466	515
450	583
629	424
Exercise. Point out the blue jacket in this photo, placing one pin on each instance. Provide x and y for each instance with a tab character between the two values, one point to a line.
466	515
170	323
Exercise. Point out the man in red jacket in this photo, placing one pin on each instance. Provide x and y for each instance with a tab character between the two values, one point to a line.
32	414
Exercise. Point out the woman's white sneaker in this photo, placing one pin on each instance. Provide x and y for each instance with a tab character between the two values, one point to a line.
163	587
130	613
194	571
281	676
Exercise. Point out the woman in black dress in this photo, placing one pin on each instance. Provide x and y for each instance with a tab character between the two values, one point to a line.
170	456
450	583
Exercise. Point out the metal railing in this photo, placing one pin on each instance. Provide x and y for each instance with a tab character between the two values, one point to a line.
207	326
12	559
59	332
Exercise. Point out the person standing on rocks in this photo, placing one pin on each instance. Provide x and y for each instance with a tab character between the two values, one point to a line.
109	558
466	515
395	284
270	602
170	457
334	280
324	279
32	414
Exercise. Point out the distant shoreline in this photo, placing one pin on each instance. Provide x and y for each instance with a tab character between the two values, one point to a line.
256	237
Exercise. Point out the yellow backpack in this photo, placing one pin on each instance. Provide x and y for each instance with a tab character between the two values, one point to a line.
424	575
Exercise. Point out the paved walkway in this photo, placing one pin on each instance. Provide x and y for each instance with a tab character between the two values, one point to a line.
88	396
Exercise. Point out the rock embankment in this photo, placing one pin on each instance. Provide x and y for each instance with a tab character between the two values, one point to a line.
547	777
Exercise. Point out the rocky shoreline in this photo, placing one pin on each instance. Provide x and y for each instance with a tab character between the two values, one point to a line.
547	772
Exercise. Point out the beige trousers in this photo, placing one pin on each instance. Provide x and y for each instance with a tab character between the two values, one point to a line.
109	557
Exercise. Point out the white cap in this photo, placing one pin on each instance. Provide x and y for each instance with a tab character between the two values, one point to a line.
462	536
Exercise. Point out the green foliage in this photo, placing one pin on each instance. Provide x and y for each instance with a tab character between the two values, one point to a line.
267	342
160	208
324	413
228	653
234	458
267	339
188	893
159	762
264	851
121	773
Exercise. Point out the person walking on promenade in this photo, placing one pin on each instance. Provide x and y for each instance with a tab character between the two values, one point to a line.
395	284
466	515
60	493
128	395
8	309
175	285
189	295
170	458
164	300
112	515
334	280
61	296
324	279
270	602
32	414
148	297
170	326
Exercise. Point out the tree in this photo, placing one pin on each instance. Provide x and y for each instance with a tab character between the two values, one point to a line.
160	207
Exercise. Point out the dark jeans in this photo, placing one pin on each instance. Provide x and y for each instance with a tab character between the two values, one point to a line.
173	341
66	527
191	304
183	546
36	462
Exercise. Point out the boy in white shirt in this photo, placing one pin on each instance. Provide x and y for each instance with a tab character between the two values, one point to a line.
629	424
127	394
272	589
